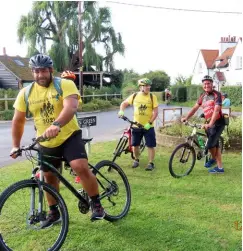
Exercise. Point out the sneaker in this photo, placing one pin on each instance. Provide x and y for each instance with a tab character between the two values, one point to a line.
53	217
210	163
216	170
150	167
135	164
98	212
77	179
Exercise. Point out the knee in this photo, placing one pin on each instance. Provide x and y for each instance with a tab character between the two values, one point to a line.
80	166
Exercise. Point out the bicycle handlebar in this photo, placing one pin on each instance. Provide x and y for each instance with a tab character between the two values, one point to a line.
29	147
198	126
131	122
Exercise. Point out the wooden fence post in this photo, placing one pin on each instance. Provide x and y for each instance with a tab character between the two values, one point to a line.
93	95
106	96
6	101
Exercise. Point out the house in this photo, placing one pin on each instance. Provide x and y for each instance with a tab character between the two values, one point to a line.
223	64
14	71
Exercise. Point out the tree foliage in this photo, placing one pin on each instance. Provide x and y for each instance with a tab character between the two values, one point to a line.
160	80
184	81
57	23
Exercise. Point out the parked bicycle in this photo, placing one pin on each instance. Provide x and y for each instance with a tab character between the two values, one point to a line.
184	156
125	142
23	206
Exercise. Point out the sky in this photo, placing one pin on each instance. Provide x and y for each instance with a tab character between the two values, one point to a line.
154	38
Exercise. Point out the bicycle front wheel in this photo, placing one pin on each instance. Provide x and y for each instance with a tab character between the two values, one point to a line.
114	188
182	160
21	225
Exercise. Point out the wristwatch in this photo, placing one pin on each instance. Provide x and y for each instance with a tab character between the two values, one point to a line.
55	123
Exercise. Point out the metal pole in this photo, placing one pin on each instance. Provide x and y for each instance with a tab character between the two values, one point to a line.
81	89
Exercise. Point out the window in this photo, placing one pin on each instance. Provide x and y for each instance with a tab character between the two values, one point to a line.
238	62
18	62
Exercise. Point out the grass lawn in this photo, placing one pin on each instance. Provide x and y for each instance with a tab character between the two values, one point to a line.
197	212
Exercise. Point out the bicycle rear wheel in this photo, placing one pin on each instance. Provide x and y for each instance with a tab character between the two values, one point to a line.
114	188
21	224
182	160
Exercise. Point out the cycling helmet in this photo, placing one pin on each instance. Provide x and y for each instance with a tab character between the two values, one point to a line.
207	77
225	95
144	81
40	61
68	75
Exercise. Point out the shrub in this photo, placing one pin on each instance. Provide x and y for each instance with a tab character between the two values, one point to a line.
6	115
129	89
116	101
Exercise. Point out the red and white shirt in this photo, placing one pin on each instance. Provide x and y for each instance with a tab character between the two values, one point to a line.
208	102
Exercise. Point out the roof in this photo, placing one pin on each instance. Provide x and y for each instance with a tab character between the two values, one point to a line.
209	57
18	66
225	56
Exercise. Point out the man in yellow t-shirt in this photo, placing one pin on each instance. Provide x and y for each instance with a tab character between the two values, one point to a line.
54	119
145	112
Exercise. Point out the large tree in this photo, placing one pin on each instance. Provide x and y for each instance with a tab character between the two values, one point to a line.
57	21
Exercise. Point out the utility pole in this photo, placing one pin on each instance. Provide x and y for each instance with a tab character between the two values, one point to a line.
80	37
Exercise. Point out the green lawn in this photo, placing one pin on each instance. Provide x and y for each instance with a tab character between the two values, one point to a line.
198	212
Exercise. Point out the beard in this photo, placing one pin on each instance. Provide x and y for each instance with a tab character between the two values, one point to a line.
44	81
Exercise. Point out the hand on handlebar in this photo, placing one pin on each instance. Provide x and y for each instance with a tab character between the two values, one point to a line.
120	113
51	132
183	120
15	152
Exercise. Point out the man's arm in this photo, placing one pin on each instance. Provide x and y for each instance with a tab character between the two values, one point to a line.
123	105
18	123
191	112
154	115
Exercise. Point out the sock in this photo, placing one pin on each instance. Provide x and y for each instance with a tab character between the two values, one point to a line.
137	160
151	163
95	199
220	167
54	208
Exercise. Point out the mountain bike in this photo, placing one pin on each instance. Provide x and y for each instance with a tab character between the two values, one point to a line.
23	206
183	157
125	142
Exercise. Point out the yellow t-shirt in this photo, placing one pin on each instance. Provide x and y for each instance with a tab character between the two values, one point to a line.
45	107
143	109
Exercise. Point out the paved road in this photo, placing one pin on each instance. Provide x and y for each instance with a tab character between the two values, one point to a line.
109	127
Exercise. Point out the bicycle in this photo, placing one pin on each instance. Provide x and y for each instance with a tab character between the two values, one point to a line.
125	142
180	156
23	206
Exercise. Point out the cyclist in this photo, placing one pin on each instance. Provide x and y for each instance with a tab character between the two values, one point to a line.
59	124
145	112
211	103
167	95
70	75
226	100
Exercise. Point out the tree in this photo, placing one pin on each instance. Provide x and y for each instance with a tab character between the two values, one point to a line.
57	22
181	80
160	80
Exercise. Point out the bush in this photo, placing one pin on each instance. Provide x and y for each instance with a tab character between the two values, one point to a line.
116	101
234	94
6	115
179	93
11	94
129	89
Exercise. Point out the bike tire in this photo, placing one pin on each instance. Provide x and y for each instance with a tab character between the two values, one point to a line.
114	188
173	166
10	240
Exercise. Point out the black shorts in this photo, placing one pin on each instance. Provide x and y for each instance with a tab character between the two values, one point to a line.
213	134
73	148
139	133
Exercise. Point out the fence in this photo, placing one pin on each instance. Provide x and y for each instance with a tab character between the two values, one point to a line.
93	96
